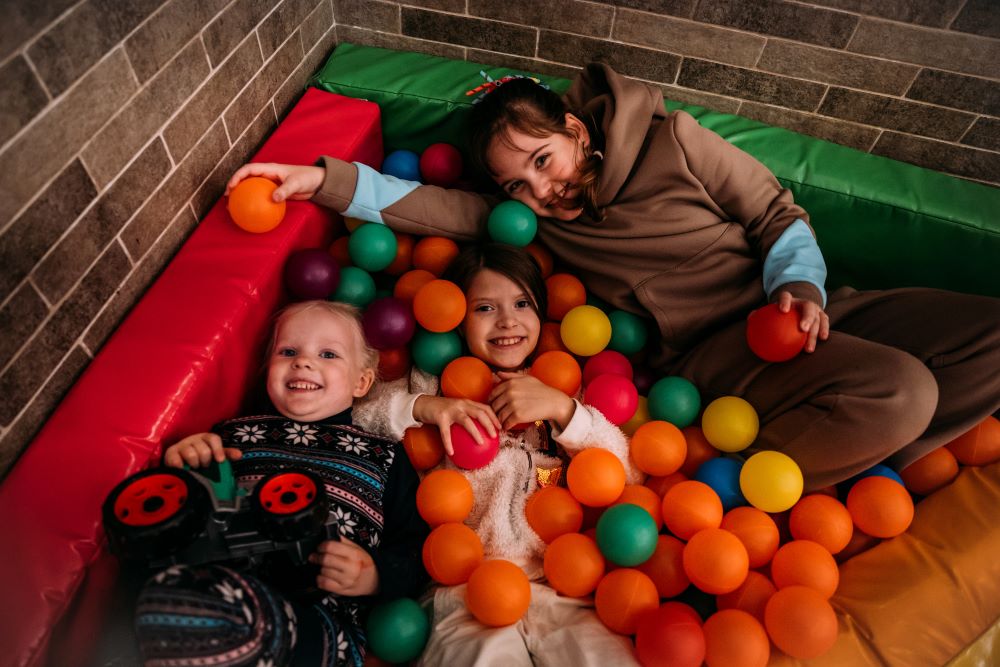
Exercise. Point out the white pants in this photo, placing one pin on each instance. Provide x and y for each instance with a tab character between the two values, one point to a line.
555	631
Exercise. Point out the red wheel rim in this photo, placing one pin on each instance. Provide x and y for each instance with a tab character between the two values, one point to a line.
287	493
150	500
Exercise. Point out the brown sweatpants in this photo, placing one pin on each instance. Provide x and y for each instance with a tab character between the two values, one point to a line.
903	372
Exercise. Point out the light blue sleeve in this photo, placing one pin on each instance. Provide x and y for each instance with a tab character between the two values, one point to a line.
795	257
375	192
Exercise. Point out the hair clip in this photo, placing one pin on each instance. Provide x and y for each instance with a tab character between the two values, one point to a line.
490	84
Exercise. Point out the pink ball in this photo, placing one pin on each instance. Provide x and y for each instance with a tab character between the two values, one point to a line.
468	454
441	164
615	396
606	361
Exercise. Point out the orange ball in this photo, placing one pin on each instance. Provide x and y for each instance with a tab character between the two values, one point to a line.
658	448
467	377
751	596
339	251
716	561
410	283
558	369
451	552
822	519
756	530
404	255
423	446
553	511
801	622
663	484
644	497
573	565
434	254
805	563
595	477
666	567
444	496
979	445
930	472
542	256
689	507
393	364
565	292
439	306
251	206
623	597
860	542
880	506
498	593
699	450
550	339
734	638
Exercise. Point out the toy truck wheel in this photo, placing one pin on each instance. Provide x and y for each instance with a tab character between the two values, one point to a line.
290	505
155	512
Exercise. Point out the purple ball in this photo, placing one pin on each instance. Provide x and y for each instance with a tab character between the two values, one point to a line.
311	274
644	377
388	323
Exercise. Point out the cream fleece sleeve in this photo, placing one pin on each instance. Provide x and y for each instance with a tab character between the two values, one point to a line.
387	410
590	428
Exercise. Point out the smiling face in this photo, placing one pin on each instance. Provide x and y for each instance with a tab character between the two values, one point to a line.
501	326
316	366
541	172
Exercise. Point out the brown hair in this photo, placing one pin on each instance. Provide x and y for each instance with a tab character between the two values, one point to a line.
507	260
528	107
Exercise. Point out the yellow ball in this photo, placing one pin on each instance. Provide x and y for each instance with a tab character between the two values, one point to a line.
730	424
640	417
352	223
771	481
585	330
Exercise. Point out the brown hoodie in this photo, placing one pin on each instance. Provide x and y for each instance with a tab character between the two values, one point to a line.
689	218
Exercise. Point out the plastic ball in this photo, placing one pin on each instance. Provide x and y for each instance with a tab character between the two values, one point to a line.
356	287
730	424
353	223
542	256
498	593
402	164
666	567
444	496
614	396
771	481
751	596
879	469
773	335
628	332
801	622
513	223
573	565
823	520
644	497
670	636
595	477
423	446
439	306
338	250
409	284
805	563
251	206
644	377
434	254
880	507
552	511
674	399
585	330
663	483
432	351
930	472
640	417
564	292
397	631
623	597
441	164
723	475
403	261
388	323
558	369
699	450
689	507
716	561
311	274
467	377
606	362
979	445
626	535
394	364
469	454
734	638
372	246
756	530
549	339
451	552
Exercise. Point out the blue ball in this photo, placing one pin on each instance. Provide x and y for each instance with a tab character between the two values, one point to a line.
880	470
723	475
402	164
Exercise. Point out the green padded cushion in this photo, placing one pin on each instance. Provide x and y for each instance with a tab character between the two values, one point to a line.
880	223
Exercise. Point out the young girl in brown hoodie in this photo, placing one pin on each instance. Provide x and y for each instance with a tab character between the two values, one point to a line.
663	218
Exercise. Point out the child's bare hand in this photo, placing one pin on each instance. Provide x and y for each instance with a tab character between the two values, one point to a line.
521	398
198	451
445	411
814	320
345	568
295	181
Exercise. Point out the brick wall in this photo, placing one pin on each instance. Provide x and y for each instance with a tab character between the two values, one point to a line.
119	121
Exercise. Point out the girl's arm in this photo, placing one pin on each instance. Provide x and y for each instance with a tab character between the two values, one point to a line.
387	410
590	428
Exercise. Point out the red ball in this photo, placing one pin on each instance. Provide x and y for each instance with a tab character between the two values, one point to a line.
774	335
606	361
670	636
615	396
441	164
469	454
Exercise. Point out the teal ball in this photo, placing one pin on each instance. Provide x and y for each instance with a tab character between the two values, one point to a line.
628	332
626	535
372	246
356	287
432	351
398	630
513	223
675	400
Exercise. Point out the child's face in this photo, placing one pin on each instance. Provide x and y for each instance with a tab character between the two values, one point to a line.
501	327
541	172
315	368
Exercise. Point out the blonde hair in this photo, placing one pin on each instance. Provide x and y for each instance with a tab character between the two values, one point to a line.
367	355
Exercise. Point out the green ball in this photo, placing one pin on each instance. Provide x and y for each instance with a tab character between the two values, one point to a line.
675	400
398	630
432	351
372	246
356	287
628	332
512	222
598	302
626	535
